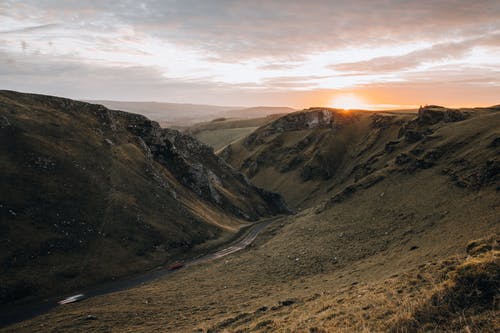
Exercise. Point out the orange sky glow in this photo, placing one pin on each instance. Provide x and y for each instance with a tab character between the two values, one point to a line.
370	54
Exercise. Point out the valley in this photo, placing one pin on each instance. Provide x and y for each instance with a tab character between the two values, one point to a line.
208	166
393	219
90	194
221	132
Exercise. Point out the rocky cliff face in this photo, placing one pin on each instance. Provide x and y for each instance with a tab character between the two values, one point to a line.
316	152
312	118
196	166
303	153
428	116
94	193
307	119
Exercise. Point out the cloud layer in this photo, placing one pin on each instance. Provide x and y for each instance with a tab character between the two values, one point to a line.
252	52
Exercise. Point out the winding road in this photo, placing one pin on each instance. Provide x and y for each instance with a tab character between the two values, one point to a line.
16	313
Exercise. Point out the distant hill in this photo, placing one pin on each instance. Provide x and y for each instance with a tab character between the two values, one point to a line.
256	112
222	131
168	113
90	194
177	114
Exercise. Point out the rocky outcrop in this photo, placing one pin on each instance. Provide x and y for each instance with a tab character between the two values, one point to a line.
313	118
320	166
427	118
77	175
432	114
196	166
315	151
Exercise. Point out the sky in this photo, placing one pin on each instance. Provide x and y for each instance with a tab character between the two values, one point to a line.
372	54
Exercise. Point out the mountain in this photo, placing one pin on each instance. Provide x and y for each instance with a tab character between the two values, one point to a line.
397	230
89	194
320	151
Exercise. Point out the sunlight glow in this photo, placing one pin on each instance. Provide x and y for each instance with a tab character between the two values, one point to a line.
349	102
81	51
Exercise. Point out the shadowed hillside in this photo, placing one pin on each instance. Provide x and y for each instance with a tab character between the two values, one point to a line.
90	194
397	231
319	152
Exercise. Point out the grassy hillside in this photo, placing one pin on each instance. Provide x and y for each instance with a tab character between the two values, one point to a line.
90	194
398	232
368	263
256	112
318	152
222	131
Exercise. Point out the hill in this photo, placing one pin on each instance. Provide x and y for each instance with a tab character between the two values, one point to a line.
222	131
169	114
89	194
321	151
256	112
397	232
179	114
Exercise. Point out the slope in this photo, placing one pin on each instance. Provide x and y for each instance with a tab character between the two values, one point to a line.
388	244
366	263
320	151
90	194
255	112
222	131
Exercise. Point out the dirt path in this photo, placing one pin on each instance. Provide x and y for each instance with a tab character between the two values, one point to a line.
11	314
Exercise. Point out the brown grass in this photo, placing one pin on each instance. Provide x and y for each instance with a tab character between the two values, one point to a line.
375	281
390	256
466	301
82	200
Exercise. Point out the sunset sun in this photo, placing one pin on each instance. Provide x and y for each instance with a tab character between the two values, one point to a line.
348	102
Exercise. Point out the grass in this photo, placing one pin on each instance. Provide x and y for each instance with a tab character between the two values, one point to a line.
356	269
221	138
220	132
396	254
310	165
467	300
82	200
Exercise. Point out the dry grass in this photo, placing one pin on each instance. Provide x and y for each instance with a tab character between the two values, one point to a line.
382	258
466	301
84	200
374	282
220	132
220	138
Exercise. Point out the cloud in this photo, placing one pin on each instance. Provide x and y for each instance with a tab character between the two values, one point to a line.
242	29
278	66
69	77
286	82
436	53
30	29
442	85
224	50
